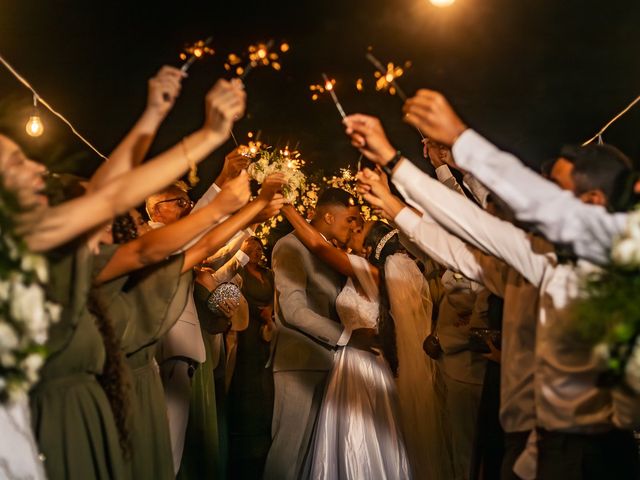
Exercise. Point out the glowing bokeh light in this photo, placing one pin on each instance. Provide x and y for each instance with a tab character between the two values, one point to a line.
34	126
442	3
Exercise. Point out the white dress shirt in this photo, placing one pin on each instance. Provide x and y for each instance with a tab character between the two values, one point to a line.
567	397
557	213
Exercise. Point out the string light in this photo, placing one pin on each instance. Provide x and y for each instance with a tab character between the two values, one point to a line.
598	136
34	126
42	101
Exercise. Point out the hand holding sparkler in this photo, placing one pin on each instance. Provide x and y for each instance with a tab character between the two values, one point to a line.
368	136
163	89
190	55
430	112
224	104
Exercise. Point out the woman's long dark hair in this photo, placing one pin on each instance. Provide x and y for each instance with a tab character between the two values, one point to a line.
113	378
386	327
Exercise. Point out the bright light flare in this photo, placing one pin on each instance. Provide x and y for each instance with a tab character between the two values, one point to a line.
442	3
34	126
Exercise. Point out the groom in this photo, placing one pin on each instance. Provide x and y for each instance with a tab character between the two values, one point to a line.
309	331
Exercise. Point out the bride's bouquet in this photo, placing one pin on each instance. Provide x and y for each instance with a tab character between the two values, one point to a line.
608	316
268	161
25	314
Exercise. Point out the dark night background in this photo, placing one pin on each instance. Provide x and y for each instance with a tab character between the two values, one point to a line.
529	74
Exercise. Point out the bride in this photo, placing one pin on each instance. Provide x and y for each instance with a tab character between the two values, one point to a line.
358	434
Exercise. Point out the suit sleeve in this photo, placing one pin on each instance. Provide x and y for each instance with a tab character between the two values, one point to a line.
290	282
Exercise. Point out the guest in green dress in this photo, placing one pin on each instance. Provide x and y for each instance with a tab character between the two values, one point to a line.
251	390
142	307
72	417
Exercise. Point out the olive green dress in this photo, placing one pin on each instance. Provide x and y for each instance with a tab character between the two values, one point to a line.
71	416
143	307
205	449
251	390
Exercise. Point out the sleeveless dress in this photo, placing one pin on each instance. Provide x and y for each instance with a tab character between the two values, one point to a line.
70	413
143	306
358	433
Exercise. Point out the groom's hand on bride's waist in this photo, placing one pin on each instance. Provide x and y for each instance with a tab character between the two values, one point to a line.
365	339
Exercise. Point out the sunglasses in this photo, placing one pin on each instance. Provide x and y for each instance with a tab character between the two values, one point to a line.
181	202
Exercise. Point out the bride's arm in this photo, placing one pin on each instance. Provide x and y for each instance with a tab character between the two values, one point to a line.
318	245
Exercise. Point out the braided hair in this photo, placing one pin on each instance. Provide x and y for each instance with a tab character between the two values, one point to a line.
378	258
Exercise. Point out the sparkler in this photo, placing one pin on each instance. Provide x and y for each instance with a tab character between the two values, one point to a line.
194	52
328	87
386	77
386	80
190	55
260	54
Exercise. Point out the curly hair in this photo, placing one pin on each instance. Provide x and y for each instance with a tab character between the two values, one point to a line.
386	326
124	229
114	380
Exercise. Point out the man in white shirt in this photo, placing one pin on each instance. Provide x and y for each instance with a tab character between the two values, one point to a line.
561	217
572	410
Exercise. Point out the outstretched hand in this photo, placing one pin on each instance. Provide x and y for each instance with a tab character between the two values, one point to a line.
272	184
430	112
234	194
163	89
224	104
376	192
368	136
234	163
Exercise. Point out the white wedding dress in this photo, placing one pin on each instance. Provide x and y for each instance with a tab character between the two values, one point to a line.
358	434
18	449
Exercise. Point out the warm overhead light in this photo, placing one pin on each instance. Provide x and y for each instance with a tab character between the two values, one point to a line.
34	126
442	3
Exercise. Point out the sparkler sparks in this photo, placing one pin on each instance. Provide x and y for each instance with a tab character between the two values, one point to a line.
193	52
328	86
386	77
259	55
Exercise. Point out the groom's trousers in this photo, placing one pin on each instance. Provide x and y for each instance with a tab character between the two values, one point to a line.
298	395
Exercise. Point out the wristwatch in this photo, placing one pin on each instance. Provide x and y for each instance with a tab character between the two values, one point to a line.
391	164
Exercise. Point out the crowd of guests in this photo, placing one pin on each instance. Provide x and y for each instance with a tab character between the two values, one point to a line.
428	346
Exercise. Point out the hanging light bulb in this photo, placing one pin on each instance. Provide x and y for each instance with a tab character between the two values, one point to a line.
442	3
34	126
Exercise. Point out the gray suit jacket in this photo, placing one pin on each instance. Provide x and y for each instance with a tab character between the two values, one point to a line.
305	308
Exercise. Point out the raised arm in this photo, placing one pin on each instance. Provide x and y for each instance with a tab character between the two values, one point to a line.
337	259
159	243
558	214
48	228
452	211
224	231
163	89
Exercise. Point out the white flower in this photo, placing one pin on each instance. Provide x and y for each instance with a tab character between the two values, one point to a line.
8	360
626	252
27	304
31	366
17	392
8	339
35	263
632	370
633	226
5	288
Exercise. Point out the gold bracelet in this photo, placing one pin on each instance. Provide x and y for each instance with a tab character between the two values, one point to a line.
193	169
